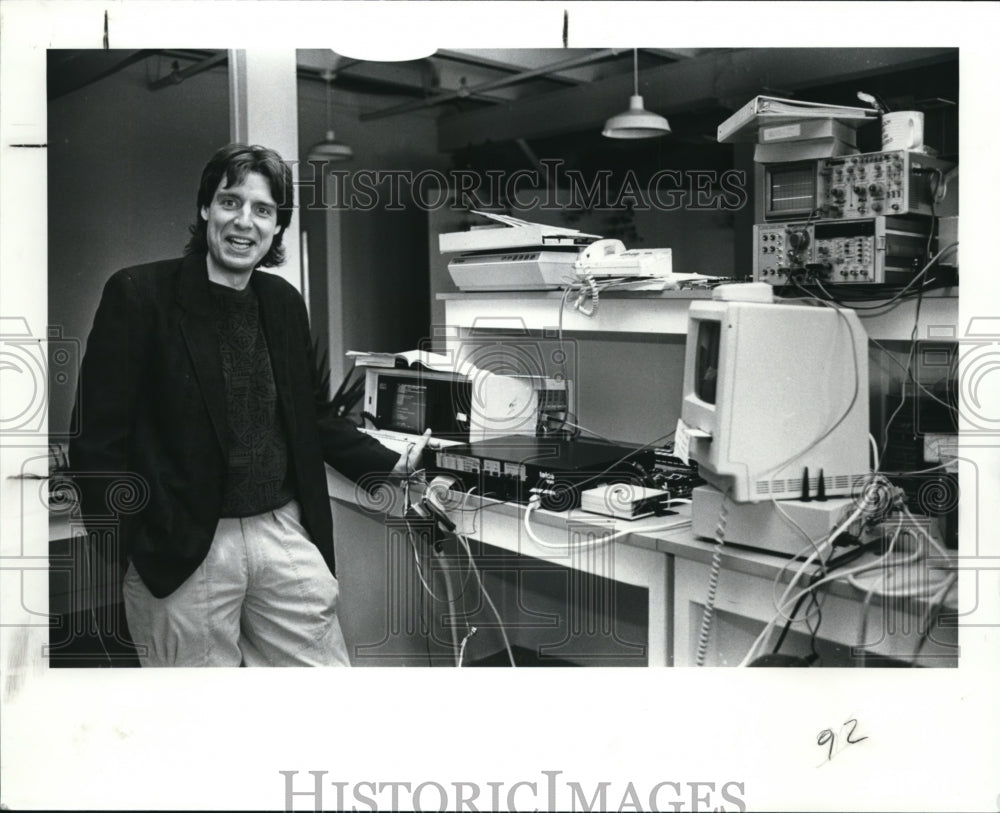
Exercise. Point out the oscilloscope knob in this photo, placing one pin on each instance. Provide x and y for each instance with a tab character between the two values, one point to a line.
798	238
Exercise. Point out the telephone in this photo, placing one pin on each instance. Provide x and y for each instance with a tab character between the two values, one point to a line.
610	258
599	252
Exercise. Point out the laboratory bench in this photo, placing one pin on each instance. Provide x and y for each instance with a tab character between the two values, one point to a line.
665	313
666	569
570	598
629	355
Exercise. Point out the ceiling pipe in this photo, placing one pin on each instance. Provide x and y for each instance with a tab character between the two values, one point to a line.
493	85
97	65
701	82
495	65
178	75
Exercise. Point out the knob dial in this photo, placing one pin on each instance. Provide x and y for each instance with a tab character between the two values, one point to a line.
798	239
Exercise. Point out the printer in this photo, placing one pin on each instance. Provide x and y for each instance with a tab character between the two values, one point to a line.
510	254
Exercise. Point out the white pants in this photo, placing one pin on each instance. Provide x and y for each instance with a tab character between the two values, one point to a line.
262	597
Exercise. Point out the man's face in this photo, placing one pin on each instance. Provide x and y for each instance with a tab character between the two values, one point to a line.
241	223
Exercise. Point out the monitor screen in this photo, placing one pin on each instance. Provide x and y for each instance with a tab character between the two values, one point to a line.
409	408
789	190
707	361
411	401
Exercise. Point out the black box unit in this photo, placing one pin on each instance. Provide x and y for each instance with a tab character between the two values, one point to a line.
514	468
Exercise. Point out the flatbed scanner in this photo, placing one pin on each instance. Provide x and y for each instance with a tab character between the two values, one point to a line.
511	254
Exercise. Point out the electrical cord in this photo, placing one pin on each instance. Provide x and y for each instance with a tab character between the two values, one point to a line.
759	640
432	501
785	601
461	650
580	301
854	397
874	450
903	293
788	520
935	606
908	370
89	578
952	408
489	601
624	458
816	549
535	503
451	603
713	582
832	565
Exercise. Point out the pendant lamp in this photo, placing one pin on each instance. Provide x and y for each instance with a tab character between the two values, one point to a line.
329	149
636	122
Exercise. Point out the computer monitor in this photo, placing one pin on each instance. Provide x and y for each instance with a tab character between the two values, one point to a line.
775	388
407	401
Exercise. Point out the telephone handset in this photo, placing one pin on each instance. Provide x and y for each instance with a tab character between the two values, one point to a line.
602	252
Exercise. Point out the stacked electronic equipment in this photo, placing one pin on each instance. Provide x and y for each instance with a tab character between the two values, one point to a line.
559	472
829	214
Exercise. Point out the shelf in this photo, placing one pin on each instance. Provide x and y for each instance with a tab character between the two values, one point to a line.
665	313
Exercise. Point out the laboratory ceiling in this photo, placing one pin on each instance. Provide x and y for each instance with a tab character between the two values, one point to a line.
508	107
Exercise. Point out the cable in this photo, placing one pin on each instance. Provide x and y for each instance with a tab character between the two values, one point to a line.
787	519
713	581
934	608
535	503
784	601
874	449
908	369
489	601
580	302
623	458
584	429
816	548
850	407
770	624
461	650
890	303
935	602
451	603
929	537
410	536
90	580
832	565
888	354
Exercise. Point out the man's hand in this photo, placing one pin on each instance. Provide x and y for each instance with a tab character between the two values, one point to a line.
409	461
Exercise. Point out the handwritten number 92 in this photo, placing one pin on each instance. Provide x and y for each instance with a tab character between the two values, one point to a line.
828	738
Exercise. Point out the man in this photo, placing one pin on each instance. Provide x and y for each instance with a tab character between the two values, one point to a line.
199	380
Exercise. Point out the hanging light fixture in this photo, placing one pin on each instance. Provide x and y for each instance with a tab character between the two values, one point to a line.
329	149
636	122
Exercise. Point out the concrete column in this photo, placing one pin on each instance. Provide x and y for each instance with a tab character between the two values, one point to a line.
263	109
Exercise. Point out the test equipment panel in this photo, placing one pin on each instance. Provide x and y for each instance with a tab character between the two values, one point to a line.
875	250
849	187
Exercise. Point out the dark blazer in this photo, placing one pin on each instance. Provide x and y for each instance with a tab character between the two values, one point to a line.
151	407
